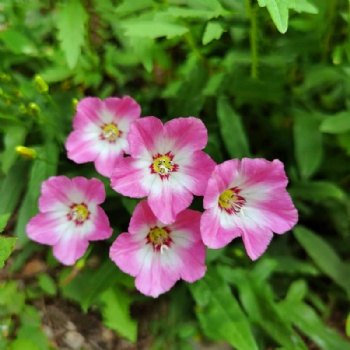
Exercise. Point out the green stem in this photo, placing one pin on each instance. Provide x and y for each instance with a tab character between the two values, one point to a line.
251	12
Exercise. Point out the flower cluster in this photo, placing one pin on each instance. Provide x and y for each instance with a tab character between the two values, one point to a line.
165	241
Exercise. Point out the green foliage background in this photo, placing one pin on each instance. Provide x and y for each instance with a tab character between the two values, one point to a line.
270	78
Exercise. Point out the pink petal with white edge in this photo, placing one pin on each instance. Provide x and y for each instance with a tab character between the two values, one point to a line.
125	109
194	172
213	234
222	176
102	229
188	133
46	228
82	148
132	178
55	194
256	240
169	200
88	110
126	251
93	190
144	137
69	249
142	219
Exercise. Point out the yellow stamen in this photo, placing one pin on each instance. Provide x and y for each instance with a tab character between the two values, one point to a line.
79	213
110	132
227	198
163	165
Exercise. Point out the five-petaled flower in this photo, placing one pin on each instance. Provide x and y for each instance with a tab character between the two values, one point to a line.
157	254
166	164
100	131
70	216
247	198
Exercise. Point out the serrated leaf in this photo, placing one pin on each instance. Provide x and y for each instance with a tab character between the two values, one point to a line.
3	221
324	256
116	314
216	305
213	31
338	124
6	247
152	29
278	10
71	22
308	143
232	130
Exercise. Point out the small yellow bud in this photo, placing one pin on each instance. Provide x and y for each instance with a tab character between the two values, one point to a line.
41	85
80	264
26	152
33	109
75	102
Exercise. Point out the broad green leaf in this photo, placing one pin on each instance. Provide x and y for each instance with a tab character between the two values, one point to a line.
213	31
344	141
347	326
6	247
183	12
338	124
3	221
12	299
232	130
116	314
152	29
47	284
71	21
308	143
316	191
213	5
303	6
297	291
131	6
324	256
17	42
220	314
23	343
14	137
278	10
258	301
309	323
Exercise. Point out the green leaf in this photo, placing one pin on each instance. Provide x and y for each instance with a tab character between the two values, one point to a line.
152	29
213	31
309	323
258	300
278	10
338	124
324	257
15	136
219	313
116	314
347	326
232	130
17	42
308	143
3	221
47	284
71	22
6	247
303	6
317	191
22	343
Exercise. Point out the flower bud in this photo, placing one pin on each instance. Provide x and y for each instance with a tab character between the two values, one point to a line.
26	152
41	85
33	109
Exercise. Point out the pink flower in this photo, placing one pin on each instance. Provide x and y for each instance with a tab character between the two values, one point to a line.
166	164
247	198
70	216
158	255
100	131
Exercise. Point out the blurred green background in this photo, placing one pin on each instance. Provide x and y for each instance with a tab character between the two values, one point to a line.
269	78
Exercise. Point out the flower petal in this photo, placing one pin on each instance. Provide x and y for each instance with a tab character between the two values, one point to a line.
102	229
46	228
125	109
144	136
142	218
108	158
93	190
132	178
88	110
169	199
69	249
213	234
188	133
256	240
